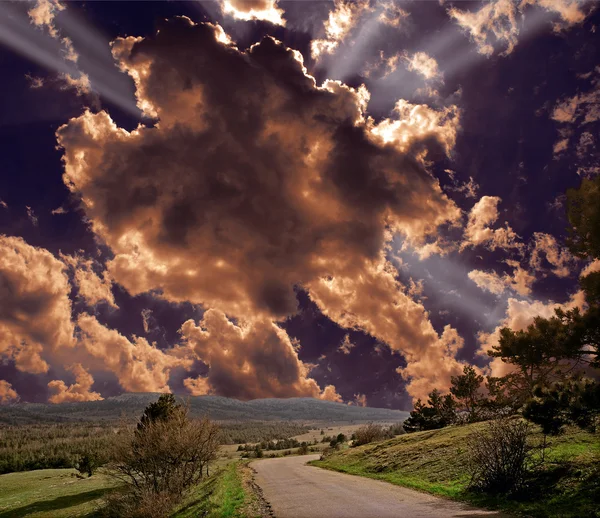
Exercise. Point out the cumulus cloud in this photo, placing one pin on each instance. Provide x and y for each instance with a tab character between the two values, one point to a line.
478	232
414	123
7	393
497	23
249	360
375	302
341	20
78	391
35	309
330	394
273	181
266	10
519	280
559	258
197	386
92	288
138	365
422	63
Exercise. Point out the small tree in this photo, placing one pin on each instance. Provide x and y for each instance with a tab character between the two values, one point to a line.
466	388
439	412
88	462
161	459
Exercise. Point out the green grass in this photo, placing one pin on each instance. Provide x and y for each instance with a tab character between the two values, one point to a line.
436	462
220	496
51	493
58	493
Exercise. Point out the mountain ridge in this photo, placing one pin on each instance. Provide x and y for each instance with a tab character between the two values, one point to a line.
130	405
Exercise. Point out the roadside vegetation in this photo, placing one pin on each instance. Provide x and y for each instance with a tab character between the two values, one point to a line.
439	462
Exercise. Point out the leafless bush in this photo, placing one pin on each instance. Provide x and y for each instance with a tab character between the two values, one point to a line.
369	433
500	456
159	462
140	504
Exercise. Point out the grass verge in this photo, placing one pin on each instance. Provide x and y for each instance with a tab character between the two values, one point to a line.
220	496
567	486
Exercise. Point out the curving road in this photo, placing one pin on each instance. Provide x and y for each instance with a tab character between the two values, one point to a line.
296	490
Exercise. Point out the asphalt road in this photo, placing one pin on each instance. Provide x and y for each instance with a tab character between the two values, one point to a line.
296	490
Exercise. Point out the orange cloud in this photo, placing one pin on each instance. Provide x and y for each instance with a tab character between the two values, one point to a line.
254	10
138	365
478	232
78	391
248	360
35	314
7	393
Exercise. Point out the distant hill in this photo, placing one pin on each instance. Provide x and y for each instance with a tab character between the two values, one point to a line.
130	406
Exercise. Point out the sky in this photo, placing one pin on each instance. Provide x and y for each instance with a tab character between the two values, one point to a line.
263	198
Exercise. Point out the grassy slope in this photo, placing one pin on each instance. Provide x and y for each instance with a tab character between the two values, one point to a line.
51	493
436	462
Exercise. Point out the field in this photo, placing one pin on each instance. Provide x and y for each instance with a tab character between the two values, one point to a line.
53	493
436	462
49	493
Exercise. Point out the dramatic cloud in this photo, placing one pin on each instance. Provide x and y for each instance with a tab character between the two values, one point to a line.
560	259
392	14
492	23
78	391
7	393
520	280
247	361
497	23
414	123
330	394
478	232
138	365
254	10
342	19
42	15
197	386
374	302
35	309
92	288
272	181
423	64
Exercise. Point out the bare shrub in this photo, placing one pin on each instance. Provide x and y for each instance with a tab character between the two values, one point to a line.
500	456
369	433
160	461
